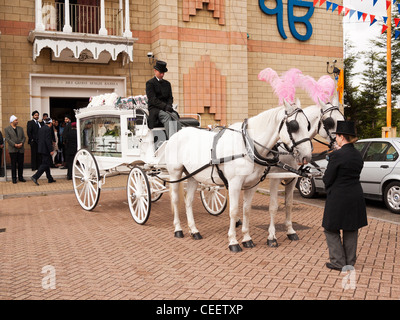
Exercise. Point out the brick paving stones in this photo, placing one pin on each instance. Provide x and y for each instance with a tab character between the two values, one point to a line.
104	254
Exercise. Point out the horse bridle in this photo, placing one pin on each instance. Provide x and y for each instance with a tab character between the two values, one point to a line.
292	126
328	124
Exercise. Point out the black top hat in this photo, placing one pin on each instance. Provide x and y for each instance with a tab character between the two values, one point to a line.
161	66
346	127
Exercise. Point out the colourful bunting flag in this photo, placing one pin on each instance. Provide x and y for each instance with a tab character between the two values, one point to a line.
346	11
372	18
315	2
340	8
375	2
396	21
334	6
359	14
387	4
372	22
352	12
398	7
328	5
384	27
384	19
364	15
321	2
396	34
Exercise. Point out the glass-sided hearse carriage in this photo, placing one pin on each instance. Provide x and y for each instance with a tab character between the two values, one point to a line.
113	139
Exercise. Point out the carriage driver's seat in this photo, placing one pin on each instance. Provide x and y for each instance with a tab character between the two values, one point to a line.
185	121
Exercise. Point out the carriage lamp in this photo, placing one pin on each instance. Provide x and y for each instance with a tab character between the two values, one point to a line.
336	71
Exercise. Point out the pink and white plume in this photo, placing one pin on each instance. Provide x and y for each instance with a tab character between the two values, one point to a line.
323	89
284	86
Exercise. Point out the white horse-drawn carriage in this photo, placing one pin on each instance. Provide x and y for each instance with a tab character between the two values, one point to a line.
113	134
114	139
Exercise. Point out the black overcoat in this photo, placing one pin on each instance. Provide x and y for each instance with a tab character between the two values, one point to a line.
45	145
345	205
159	95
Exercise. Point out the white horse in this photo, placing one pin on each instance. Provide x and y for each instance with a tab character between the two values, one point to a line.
323	122
191	148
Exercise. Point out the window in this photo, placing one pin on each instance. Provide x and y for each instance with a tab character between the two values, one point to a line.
101	135
381	151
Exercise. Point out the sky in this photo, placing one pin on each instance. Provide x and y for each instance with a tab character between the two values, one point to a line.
360	32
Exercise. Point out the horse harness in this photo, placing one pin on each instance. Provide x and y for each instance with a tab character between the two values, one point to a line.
251	151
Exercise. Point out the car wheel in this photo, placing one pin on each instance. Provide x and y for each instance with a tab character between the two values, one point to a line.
306	187
391	197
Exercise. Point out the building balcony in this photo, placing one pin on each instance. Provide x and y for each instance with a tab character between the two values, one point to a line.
82	33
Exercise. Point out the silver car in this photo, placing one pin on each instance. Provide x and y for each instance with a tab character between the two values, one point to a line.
380	176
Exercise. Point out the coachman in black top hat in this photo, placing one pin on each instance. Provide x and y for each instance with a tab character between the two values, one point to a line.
345	205
160	99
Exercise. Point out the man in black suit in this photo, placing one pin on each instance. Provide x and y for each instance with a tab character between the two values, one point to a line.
345	205
45	148
160	99
32	129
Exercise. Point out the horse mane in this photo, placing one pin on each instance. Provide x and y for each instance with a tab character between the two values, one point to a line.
284	86
322	89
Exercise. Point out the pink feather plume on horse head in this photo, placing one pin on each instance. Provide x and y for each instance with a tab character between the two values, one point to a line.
284	86
322	89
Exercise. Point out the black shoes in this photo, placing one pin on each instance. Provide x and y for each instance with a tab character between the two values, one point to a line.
331	266
34	180
51	181
22	179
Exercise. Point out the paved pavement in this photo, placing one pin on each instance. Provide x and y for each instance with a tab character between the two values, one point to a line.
50	249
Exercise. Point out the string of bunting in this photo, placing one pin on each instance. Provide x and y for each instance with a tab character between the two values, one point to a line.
345	11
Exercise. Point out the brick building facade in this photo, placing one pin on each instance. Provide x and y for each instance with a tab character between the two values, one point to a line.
214	50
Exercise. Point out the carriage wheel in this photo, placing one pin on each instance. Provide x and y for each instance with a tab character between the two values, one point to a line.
214	199
156	187
139	195
86	179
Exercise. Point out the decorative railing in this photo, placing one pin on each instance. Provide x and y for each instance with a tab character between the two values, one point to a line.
83	18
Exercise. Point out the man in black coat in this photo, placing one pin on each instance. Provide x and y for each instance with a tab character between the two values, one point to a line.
32	129
45	148
160	99
71	146
345	205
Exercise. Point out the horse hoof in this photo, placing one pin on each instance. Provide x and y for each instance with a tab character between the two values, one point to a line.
178	234
235	248
248	244
293	237
238	223
272	243
196	236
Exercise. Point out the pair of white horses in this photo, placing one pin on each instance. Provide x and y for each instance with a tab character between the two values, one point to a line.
191	148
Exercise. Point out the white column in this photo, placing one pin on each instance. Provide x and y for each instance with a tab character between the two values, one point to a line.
121	15
39	26
103	31
128	32
67	25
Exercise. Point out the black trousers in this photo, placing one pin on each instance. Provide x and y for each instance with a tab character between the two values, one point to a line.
17	160
342	249
47	160
36	158
70	161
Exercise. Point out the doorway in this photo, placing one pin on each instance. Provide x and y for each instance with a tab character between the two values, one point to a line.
61	106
